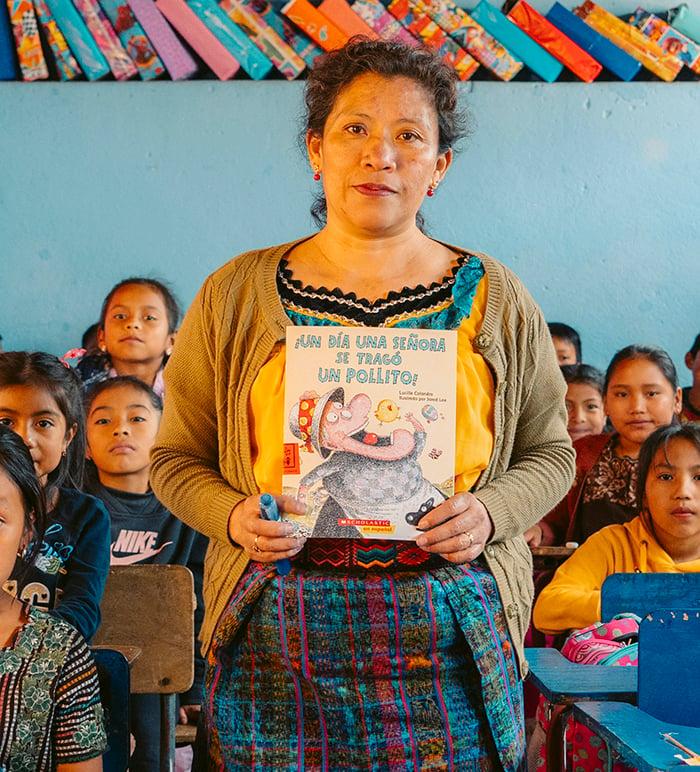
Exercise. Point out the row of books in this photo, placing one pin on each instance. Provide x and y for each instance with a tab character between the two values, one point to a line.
181	39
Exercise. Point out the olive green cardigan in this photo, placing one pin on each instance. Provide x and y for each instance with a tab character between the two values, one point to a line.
202	463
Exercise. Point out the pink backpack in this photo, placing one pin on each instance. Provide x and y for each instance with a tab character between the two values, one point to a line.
605	643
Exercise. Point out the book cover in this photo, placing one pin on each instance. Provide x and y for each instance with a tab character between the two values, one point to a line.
134	39
672	41
516	41
179	64
686	21
106	38
265	38
630	39
347	21
65	62
464	30
195	32
27	42
233	38
311	21
70	22
300	43
8	66
555	41
382	22
369	434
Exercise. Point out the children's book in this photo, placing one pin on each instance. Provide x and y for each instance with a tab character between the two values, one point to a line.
672	41
345	19
311	21
369	434
300	43
70	22
8	67
26	34
106	38
64	60
382	22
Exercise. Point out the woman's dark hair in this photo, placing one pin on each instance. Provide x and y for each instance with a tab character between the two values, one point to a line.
172	307
661	438
695	347
45	371
566	332
336	70
17	464
584	374
116	383
652	354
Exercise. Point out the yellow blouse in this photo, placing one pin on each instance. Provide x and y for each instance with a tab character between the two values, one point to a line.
475	398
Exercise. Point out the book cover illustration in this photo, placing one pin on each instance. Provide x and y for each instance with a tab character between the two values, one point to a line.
369	434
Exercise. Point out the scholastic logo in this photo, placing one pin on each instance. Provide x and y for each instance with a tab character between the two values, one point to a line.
134	546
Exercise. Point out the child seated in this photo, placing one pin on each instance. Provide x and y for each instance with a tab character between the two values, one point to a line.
135	335
584	400
691	394
123	415
567	343
50	712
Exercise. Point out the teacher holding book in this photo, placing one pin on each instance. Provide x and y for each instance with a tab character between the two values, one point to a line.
367	654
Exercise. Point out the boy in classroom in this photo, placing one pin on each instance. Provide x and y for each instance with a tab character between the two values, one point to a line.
584	400
567	343
691	394
123	415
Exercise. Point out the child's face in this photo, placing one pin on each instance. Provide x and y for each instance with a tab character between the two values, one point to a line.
121	429
12	525
672	491
136	326
584	405
639	399
33	413
566	351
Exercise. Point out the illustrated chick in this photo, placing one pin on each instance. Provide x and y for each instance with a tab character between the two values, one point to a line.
387	411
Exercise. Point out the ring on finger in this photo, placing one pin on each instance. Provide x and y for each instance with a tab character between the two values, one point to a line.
469	536
255	544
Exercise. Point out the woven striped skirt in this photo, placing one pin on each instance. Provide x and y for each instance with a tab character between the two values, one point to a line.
412	670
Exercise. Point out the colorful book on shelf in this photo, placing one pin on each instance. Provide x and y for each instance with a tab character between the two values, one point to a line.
368	449
70	22
412	15
599	47
301	44
106	38
233	38
64	60
25	30
685	21
517	42
630	39
311	21
672	41
382	22
265	38
133	38
345	19
555	41
190	27
8	63
473	38
178	62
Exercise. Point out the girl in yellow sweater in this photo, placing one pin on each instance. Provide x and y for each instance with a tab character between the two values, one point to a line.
663	538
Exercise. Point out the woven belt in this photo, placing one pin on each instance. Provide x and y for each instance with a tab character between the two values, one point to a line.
365	555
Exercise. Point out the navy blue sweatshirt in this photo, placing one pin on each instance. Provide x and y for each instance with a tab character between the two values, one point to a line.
68	575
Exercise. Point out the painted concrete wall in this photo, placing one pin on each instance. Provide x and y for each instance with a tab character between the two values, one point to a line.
590	193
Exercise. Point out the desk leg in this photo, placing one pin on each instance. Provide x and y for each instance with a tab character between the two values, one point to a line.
168	722
555	744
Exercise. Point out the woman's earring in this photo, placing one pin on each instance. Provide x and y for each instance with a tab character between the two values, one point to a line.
431	191
317	174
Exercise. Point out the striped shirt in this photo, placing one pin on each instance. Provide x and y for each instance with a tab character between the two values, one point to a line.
50	711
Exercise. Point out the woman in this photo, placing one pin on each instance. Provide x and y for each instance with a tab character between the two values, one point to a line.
415	664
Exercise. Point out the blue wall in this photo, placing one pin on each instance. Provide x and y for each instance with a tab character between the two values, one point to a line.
589	192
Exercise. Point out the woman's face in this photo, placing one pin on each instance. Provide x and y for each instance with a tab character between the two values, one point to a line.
672	492
12	524
378	154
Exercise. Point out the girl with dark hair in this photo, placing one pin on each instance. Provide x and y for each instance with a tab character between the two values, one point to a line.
641	393
122	416
369	654
48	681
41	401
135	334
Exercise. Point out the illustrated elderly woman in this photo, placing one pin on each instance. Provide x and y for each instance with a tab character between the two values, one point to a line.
368	654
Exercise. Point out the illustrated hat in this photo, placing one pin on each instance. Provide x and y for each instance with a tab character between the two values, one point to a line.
305	419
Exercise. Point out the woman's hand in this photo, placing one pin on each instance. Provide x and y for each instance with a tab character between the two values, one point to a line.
533	535
189	714
265	540
457	529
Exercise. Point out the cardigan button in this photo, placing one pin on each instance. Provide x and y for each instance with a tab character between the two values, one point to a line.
511	611
490	551
482	340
